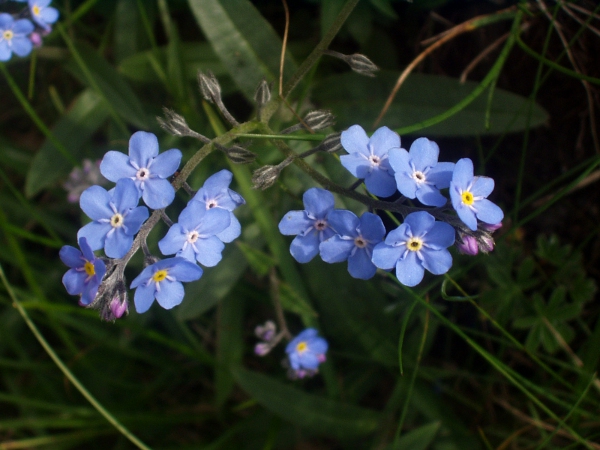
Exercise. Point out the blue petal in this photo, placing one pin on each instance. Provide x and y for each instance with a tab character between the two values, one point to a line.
383	140
318	202
437	261
308	360
165	164
209	251
420	222
184	270
318	345
158	193
357	164
355	140
215	221
232	231
143	147
71	256
343	222
380	183
191	216
466	215
171	294
49	15
6	21
73	281
217	182
406	185
489	212
173	240
371	227
409	270
305	248
125	195
400	161
115	165
5	51
463	173
94	202
441	174
398	235
117	244
143	297
86	250
22	26
360	265
95	233
135	219
188	253
336	249
90	289
440	236
424	153
482	186
385	256
430	196
22	46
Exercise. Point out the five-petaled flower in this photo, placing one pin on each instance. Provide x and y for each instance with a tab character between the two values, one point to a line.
42	14
85	273
116	217
310	226
468	194
14	36
368	158
215	193
354	241
162	281
194	236
145	167
419	243
418	173
305	352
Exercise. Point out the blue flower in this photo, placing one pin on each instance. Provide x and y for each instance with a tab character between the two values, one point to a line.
468	195
419	243
311	225
354	241
85	273
368	158
162	281
43	14
116	217
193	237
145	167
305	352
14	36
216	194
418	173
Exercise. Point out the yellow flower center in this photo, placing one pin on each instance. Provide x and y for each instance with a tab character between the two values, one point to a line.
301	347
160	275
89	268
36	10
116	221
467	198
8	35
414	244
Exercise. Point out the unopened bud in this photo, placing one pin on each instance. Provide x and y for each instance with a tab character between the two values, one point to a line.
332	143
262	349
117	306
491	228
265	177
361	64
209	86
319	119
486	244
266	332
467	245
263	93
239	155
174	123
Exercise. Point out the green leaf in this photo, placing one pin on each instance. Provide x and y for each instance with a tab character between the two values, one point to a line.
244	41
73	130
230	345
417	439
258	260
355	99
307	410
113	87
293	302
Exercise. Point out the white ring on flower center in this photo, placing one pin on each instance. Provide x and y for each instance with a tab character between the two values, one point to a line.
320	224
142	174
8	35
193	236
419	177
212	204
375	160
117	221
414	244
360	242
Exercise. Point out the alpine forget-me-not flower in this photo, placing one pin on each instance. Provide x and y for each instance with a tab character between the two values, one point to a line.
418	173
162	281
310	226
116	217
354	241
42	14
419	243
85	273
468	194
305	352
14	36
145	167
368	158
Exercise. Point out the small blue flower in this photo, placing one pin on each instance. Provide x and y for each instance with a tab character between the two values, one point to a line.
14	36
85	273
162	281
419	243
116	217
368	158
43	14
468	195
305	352
216	194
311	225
193	237
145	167
418	173
354	241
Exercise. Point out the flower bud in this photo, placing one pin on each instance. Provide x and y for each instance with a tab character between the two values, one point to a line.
36	39
263	93
332	143
262	349
239	155
467	245
319	119
486	244
491	228
174	123
361	64
266	332
265	177
117	306
209	86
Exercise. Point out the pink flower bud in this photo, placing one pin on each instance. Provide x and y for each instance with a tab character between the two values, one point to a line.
467	245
